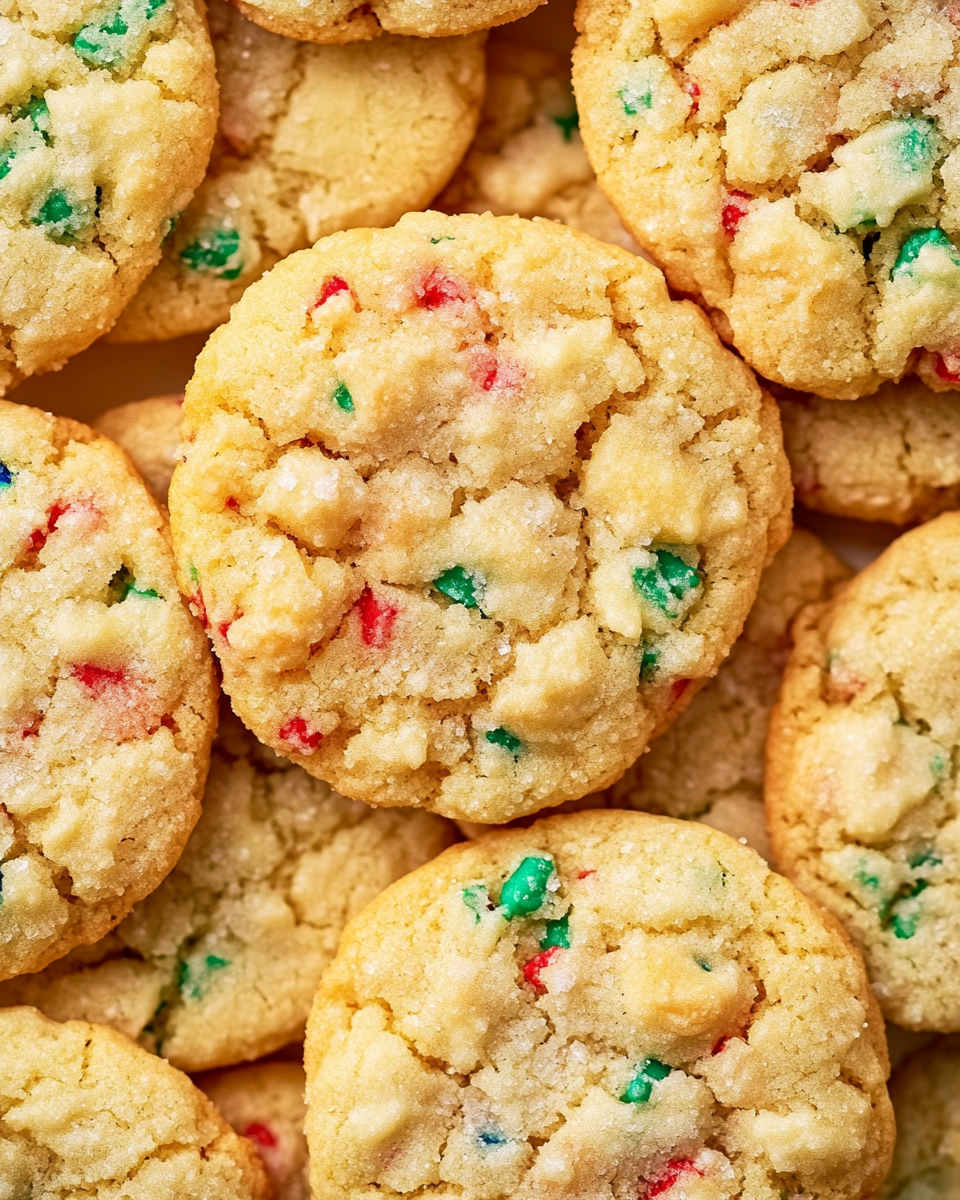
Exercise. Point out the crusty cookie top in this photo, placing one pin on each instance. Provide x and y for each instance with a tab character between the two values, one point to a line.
606	1004
795	163
467	504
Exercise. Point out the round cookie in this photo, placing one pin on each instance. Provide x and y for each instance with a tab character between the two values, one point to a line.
796	166
605	1004
892	457
925	1091
85	1112
220	963
527	158
312	139
107	115
860	769
264	1103
149	431
107	697
413	511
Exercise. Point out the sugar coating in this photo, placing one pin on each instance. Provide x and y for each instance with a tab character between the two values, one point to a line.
84	1112
860	790
793	164
925	1091
704	1034
220	963
107	698
149	431
311	139
544	471
893	457
107	115
264	1103
527	157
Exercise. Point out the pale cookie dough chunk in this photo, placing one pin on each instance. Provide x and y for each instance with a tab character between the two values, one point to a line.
605	1004
220	963
107	116
107	697
471	509
925	1091
892	457
527	158
149	431
311	139
861	787
797	166
85	1113
264	1103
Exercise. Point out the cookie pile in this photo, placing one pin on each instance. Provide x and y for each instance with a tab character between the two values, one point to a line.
432	763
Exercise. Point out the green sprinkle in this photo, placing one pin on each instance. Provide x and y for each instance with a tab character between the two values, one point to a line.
460	585
526	889
194	574
171	226
649	657
215	253
342	398
445	238
634	99
119	38
668	583
190	984
569	123
505	740
917	146
476	899
36	112
904	927
123	584
558	934
867	879
898	914
926	857
640	1087
910	250
704	965
6	161
213	962
61	221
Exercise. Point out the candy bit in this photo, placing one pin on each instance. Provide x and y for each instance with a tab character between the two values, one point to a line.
33	729
946	366
342	397
297	734
233	503
505	740
200	606
331	286
558	934
693	91
532	969
586	874
260	1134
491	1137
640	1087
6	476
915	242
671	1174
459	585
439	289
97	680
718	1047
568	124
376	619
677	688
526	889
736	208
123	584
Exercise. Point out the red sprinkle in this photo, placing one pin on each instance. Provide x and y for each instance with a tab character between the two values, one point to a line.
376	619
234	503
492	373
201	609
33	729
168	722
736	208
584	874
671	1174
802	3
96	679
261	1135
38	539
223	629
439	289
331	286
719	1046
947	366
532	969
693	91
300	736
677	689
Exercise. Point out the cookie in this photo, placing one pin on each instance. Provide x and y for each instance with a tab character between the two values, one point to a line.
925	1091
860	769
149	431
471	508
85	1112
264	1103
107	115
107	697
892	457
312	139
220	963
605	1004
795	166
527	158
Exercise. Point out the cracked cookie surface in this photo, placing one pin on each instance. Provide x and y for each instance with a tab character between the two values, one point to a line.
796	165
471	509
84	1112
107	115
605	1004
861	769
107	698
311	139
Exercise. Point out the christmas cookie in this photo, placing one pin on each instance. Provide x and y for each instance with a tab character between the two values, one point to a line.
312	139
107	698
892	457
527	158
264	1103
149	431
860	769
84	1112
925	1091
796	166
220	963
107	115
605	1004
471	509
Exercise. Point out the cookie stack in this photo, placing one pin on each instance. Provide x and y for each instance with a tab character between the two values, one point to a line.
396	727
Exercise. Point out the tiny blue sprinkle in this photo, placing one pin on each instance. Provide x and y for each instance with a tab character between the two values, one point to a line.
491	1138
6	475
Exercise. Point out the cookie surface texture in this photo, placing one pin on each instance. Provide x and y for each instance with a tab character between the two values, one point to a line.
107	115
264	1103
476	510
149	431
107	698
527	158
220	963
84	1112
606	1004
925	1090
796	166
860	776
891	457
311	139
